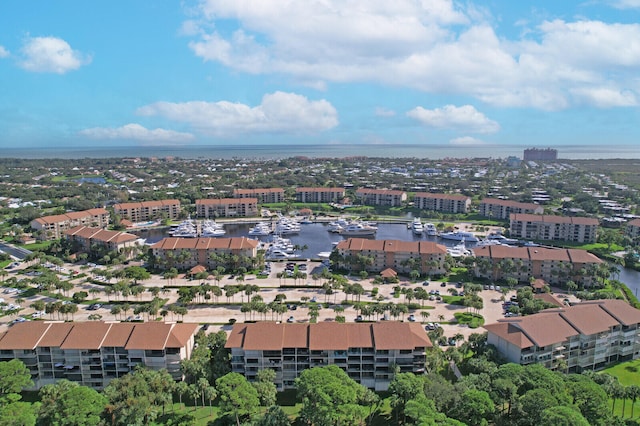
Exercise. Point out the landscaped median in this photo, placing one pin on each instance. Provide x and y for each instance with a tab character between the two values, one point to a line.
469	318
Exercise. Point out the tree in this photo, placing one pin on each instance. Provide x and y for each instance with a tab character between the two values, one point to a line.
275	416
562	415
135	398
475	407
67	404
237	397
18	413
403	387
330	397
14	377
266	387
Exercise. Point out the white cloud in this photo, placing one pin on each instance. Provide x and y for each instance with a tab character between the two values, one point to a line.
465	118
384	112
436	47
278	112
626	4
3	52
51	54
466	141
134	131
605	98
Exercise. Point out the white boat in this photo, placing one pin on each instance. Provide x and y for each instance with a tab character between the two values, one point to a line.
277	254
416	226
430	229
261	229
357	229
459	236
486	242
338	226
499	237
459	250
212	229
286	226
186	229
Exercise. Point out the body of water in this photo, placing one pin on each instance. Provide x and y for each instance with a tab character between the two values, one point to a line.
631	278
315	236
264	151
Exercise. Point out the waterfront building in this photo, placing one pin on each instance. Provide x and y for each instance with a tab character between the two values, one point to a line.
585	336
367	352
53	227
319	195
553	228
148	210
185	253
263	195
87	238
632	229
381	197
94	353
555	266
426	257
496	208
445	203
538	154
212	208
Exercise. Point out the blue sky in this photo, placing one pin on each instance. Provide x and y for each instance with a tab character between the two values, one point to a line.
160	72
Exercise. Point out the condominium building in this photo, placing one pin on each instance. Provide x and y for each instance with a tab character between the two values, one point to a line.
402	256
263	195
445	203
586	336
553	228
633	229
381	197
93	353
555	266
496	208
538	154
212	208
319	195
53	227
367	352
185	253
86	238
148	210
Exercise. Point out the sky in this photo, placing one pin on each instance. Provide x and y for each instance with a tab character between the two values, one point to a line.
191	72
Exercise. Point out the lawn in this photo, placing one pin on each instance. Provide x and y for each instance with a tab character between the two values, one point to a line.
474	320
628	373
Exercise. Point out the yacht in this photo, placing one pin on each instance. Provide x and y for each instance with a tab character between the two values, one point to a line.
459	236
496	236
416	226
358	229
487	242
286	226
430	229
261	229
338	226
212	229
459	250
186	229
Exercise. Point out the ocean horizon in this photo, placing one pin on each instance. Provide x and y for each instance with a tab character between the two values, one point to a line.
570	152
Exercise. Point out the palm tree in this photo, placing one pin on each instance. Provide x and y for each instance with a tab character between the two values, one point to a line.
425	315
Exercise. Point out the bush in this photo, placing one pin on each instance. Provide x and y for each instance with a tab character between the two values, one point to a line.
473	320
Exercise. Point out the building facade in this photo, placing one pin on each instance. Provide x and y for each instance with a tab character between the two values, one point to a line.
586	336
212	208
185	253
555	266
445	203
496	208
538	154
319	195
553	228
263	195
148	210
367	352
402	256
632	229
87	237
94	353
381	197
53	227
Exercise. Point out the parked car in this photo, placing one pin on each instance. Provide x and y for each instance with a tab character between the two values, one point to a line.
411	318
291	319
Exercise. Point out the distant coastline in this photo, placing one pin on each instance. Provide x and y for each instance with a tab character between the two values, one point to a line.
574	152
